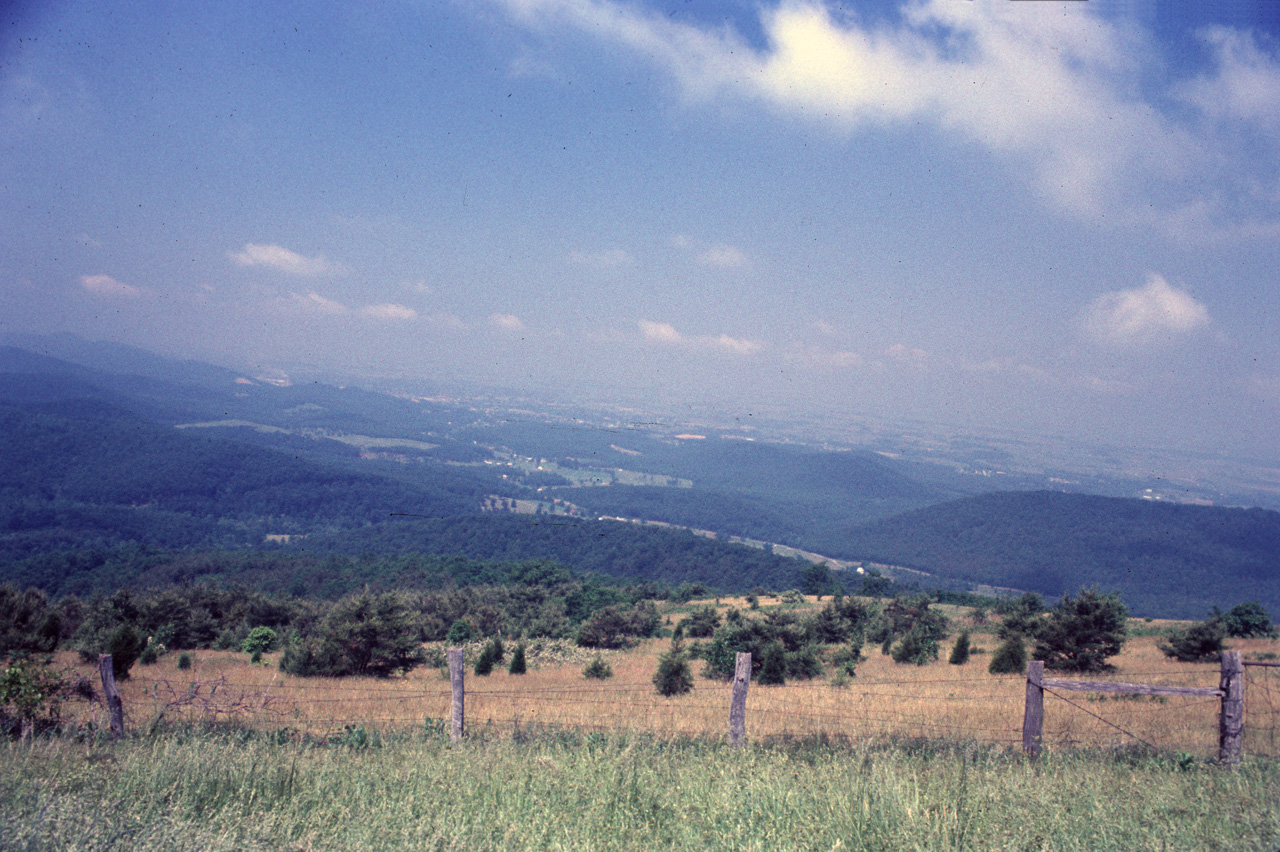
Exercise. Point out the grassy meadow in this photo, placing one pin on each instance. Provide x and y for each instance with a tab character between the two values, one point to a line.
227	754
883	701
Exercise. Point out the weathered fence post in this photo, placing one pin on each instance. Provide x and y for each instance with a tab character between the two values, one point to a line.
1231	716
738	704
1033	714
455	682
115	707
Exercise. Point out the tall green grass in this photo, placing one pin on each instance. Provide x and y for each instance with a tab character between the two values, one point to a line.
218	791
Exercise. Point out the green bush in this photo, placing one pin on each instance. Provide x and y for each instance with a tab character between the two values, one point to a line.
1079	634
673	676
1248	620
773	666
1010	657
486	660
459	633
365	634
1201	642
960	651
260	640
184	661
518	665
919	646
598	669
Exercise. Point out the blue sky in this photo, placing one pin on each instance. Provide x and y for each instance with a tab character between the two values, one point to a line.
1055	217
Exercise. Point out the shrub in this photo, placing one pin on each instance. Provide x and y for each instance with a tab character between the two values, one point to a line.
1201	642
1248	620
804	663
1079	634
673	676
150	654
1010	657
701	622
259	641
459	633
518	665
960	651
773	667
31	697
184	661
918	647
612	628
598	669
365	634
486	660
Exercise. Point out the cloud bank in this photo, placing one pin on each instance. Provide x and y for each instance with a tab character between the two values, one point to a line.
1064	96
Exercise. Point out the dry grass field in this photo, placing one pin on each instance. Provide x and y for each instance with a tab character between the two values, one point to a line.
884	701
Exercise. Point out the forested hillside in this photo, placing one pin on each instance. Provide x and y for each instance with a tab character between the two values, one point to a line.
1163	558
94	472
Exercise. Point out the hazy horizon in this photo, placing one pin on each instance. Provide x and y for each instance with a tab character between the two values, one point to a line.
1051	218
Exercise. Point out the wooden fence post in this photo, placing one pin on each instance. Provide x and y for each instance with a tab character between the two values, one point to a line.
1231	716
1033	714
455	682
738	705
115	707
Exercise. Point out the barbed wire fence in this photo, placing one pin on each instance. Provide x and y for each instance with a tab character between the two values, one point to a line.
1182	718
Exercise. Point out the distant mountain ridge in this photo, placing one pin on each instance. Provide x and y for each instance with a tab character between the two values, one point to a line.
91	459
1164	558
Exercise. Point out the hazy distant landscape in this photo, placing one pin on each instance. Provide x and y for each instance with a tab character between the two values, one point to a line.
115	448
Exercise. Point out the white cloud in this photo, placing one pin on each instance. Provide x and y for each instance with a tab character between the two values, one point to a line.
723	257
281	259
390	312
663	332
105	285
1144	314
509	322
608	259
1065	96
313	302
1245	84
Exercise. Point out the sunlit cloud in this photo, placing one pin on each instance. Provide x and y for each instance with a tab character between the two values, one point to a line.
313	302
105	285
390	312
663	332
1064	98
281	259
1144	314
508	322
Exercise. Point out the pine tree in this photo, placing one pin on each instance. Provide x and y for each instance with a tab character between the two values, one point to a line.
960	651
517	666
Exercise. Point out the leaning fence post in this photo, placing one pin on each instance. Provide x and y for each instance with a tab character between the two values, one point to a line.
1033	714
738	705
1231	716
455	683
115	707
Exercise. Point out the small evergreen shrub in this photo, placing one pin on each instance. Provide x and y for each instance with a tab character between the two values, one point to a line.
1010	657
598	669
960	651
184	661
518	665
1201	642
773	669
673	676
459	633
150	654
486	660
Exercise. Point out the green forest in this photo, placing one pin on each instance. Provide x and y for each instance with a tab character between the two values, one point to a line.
98	490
